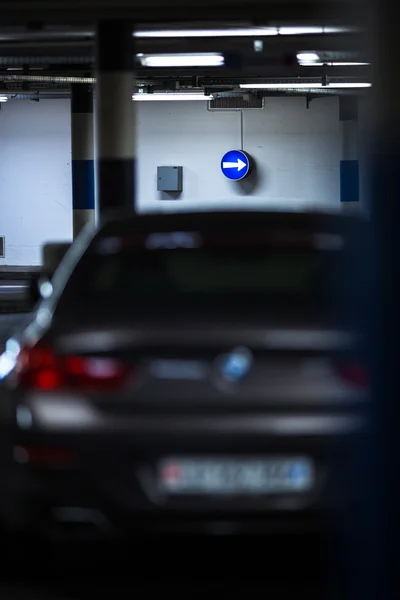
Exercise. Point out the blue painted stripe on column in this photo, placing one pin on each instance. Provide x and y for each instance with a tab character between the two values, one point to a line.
82	184
349	181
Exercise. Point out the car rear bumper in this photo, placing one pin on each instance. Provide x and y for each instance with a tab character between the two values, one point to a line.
107	477
67	506
64	414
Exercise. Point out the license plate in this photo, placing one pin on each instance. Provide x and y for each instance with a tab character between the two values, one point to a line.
236	476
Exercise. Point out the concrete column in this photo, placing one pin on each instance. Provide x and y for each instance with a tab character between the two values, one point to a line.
349	167
115	130
82	145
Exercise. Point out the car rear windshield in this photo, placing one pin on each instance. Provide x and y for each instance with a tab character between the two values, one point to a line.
179	278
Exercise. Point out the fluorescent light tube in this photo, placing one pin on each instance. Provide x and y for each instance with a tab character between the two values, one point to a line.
332	64
200	33
300	30
172	96
239	32
312	30
307	57
288	86
207	59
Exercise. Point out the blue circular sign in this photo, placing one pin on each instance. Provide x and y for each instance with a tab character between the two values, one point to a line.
235	165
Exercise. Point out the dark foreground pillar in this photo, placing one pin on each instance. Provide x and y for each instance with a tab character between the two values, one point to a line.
374	552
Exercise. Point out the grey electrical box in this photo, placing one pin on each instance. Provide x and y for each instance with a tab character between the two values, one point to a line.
169	179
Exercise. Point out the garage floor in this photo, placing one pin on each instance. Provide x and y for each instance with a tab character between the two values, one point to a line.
222	568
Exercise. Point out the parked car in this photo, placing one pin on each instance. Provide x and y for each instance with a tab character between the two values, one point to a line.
186	370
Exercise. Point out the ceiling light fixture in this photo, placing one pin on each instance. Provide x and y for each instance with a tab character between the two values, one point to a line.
313	30
206	59
333	64
294	86
200	33
239	32
309	57
172	96
300	30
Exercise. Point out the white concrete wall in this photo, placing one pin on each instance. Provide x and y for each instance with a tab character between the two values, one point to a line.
297	152
35	177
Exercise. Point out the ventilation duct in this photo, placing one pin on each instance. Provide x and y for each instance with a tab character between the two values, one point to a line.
237	102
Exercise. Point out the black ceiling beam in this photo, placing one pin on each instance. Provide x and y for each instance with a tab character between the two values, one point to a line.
345	42
256	72
363	72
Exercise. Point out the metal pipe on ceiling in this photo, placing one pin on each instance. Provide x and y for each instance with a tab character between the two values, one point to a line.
46	79
45	60
314	92
35	97
205	29
56	79
65	94
220	74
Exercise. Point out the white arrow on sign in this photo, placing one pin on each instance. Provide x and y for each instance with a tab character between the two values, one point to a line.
239	165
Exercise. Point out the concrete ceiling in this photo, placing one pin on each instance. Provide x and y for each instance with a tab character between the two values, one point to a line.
35	11
58	36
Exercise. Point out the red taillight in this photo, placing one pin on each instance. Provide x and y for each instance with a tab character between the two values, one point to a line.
354	374
44	455
40	368
47	379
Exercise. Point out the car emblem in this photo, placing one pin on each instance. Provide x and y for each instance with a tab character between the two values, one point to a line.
236	365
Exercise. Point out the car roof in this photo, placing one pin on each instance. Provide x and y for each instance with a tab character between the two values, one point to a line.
126	224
